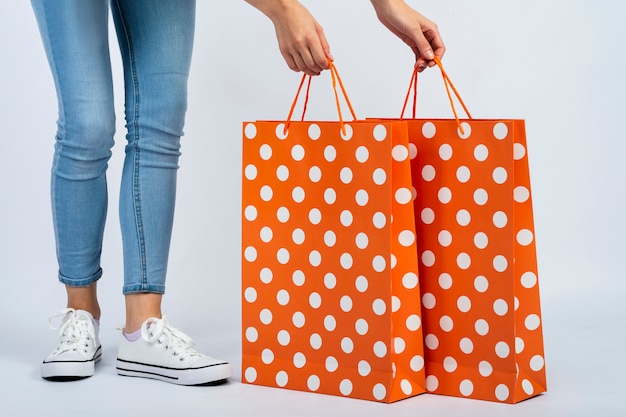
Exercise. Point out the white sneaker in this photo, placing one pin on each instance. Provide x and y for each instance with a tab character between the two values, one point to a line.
167	354
78	349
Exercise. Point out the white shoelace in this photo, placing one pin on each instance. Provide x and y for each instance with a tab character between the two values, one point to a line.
160	331
77	332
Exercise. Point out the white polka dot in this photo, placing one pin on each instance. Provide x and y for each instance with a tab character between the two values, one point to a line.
528	388
348	129
298	236
502	350
404	196
481	240
481	197
519	151
519	345
463	261
251	374
315	216
445	281
315	300
346	303
378	263
449	364
417	363
265	316
380	349
445	238
314	131
250	295
266	234
485	368
299	360
516	303
361	326
282	214
362	154
361	284
400	153
282	173
428	258
464	304
466	388
379	176
482	327
362	198
500	307
379	220
313	383
406	238
429	301
428	173
251	213
330	153
431	341
412	150
298	278
429	130
427	215
406	387
250	254
282	378
330	238
266	193
446	323
536	363
500	175
379	392
330	281
500	130
466	345
284	338
364	368
502	392
298	194
463	174
330	196
361	240
529	279
481	284
500	219
521	194
532	322
346	175
432	383
500	263
445	152
463	217
298	319
252	335
410	280
347	345
413	322
346	261
524	237
380	133
331	364
315	174
297	152
465	132
315	341
250	131
282	297
444	195
265	152
330	323
395	303
283	256
481	153
346	218
251	172
281	131
379	307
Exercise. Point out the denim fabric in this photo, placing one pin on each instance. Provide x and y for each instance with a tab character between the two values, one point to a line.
155	39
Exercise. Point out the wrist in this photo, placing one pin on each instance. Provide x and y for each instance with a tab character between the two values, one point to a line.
272	8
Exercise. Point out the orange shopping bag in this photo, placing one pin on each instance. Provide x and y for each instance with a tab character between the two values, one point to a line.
477	258
331	301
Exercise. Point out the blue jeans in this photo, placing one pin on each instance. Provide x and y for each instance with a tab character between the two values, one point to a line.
156	39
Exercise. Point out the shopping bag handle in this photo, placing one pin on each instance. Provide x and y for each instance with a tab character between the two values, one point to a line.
336	79
449	86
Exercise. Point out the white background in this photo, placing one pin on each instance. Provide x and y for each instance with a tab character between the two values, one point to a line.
559	64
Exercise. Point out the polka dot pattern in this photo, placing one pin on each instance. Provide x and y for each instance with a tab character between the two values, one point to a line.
477	260
331	299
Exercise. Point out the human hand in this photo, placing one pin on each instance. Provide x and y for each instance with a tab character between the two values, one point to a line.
300	38
415	30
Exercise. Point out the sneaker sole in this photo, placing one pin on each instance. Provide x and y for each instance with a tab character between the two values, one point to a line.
208	375
70	370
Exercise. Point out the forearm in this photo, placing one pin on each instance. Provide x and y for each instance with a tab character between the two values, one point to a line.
272	8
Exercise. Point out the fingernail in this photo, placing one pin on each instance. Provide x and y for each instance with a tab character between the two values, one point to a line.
429	54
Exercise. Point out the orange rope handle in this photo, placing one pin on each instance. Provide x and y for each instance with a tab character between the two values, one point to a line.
336	79
412	86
